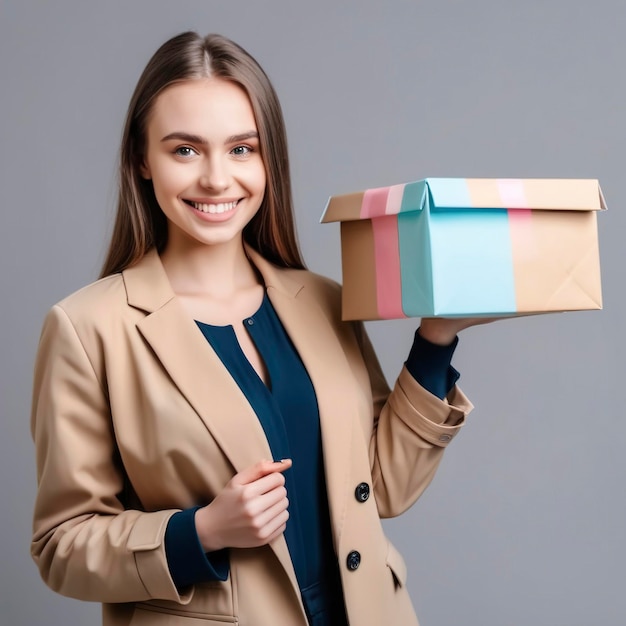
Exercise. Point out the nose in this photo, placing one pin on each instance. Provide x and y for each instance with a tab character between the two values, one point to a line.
216	175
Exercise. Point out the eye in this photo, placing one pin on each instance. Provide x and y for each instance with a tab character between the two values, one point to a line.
185	152
241	151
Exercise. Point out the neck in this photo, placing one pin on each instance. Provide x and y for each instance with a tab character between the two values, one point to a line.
214	270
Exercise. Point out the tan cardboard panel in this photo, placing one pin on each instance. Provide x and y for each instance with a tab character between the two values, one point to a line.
559	268
343	208
563	194
359	271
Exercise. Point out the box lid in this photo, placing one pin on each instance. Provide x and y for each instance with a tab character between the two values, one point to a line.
557	194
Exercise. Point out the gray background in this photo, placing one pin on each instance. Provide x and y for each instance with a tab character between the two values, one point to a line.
524	523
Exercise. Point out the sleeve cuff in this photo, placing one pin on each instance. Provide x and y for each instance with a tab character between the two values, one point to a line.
186	560
434	420
429	364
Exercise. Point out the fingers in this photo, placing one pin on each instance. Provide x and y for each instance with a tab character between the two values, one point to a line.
442	330
255	506
264	501
250	511
275	527
260	470
274	516
270	522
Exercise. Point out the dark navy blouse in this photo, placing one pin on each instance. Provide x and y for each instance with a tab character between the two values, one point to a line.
288	412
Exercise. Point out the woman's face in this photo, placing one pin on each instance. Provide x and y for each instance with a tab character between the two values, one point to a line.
204	160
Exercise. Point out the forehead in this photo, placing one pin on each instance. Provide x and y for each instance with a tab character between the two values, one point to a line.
208	106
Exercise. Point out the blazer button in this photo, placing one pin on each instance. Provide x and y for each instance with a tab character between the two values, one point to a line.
354	560
362	492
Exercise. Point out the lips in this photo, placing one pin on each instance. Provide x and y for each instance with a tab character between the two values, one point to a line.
213	207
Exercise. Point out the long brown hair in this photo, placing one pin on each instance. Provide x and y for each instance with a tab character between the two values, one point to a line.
140	224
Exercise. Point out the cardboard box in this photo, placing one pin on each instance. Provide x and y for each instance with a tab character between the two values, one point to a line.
469	247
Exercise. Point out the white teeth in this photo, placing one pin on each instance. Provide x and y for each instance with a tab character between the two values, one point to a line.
222	207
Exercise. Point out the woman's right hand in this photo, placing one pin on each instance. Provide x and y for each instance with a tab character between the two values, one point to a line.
250	511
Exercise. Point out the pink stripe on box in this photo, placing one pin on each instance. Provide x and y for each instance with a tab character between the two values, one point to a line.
394	199
387	262
374	202
523	244
520	219
512	193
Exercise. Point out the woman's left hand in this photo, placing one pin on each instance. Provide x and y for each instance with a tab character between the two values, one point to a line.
443	330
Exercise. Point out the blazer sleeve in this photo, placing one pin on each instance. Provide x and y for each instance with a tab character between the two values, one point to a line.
85	543
411	430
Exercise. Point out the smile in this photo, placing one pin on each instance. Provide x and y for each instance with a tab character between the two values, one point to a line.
221	207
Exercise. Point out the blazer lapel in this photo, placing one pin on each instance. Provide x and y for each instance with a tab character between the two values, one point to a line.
199	374
193	365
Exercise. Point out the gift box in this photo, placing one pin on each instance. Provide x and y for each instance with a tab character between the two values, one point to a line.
469	247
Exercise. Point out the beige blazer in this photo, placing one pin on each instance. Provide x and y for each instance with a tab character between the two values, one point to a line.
135	417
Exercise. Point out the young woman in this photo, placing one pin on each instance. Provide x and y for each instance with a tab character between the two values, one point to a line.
214	445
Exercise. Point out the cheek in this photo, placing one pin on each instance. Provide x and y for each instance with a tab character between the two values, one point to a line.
169	180
260	179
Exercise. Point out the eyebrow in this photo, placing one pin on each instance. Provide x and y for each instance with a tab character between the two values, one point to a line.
181	136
